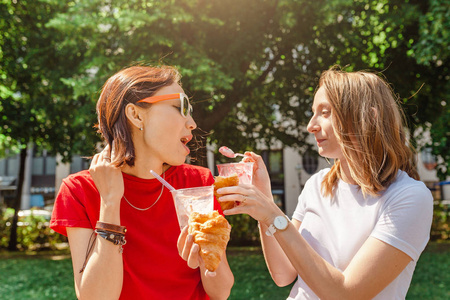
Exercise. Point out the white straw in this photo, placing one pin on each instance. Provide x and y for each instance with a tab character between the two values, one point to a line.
166	184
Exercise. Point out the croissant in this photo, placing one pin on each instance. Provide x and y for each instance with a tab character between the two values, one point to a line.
211	232
220	182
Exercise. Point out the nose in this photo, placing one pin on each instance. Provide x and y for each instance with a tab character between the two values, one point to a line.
190	123
313	126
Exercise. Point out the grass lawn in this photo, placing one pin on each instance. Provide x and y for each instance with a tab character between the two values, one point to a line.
37	276
431	279
49	276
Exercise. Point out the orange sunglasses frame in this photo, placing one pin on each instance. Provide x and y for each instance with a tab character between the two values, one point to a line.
180	96
155	99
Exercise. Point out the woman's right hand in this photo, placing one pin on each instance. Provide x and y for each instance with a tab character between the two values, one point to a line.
254	199
261	179
107	178
251	201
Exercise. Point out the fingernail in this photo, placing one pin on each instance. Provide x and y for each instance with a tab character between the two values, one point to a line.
190	238
210	274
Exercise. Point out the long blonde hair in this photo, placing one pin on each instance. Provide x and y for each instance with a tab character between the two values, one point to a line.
369	124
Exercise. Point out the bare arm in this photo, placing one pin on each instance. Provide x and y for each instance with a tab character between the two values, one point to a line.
279	265
280	268
103	276
219	286
374	266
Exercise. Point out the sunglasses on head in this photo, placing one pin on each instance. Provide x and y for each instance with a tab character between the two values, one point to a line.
185	107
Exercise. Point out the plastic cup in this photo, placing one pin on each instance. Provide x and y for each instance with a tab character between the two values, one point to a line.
244	170
197	199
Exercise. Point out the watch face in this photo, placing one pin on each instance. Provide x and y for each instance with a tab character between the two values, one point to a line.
280	223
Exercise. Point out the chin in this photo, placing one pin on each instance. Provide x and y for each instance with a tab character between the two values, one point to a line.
326	155
177	161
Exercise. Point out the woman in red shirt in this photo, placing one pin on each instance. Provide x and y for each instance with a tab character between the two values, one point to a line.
145	118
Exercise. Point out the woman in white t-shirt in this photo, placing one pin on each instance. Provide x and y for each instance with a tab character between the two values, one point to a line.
359	227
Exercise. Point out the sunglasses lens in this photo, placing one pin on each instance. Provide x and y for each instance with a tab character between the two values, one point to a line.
185	106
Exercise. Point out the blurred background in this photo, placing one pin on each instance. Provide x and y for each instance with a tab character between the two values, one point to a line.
250	67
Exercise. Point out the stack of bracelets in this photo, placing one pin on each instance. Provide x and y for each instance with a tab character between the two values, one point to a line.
112	233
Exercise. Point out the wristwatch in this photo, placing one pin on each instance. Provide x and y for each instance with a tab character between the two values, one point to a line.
279	223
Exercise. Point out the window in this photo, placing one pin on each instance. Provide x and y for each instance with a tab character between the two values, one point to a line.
310	162
274	162
38	165
50	165
43	164
3	167
12	167
78	164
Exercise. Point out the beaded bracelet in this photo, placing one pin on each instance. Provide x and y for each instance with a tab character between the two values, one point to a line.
110	232
113	237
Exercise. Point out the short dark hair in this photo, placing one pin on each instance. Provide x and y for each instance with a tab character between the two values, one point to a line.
128	86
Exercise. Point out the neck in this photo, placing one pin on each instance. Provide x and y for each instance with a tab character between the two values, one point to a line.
142	169
345	173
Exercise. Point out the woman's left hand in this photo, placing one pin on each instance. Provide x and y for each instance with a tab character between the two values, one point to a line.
189	251
250	201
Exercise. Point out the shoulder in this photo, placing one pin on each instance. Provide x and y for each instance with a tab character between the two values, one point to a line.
78	185
406	215
317	177
312	186
82	178
407	186
406	191
195	170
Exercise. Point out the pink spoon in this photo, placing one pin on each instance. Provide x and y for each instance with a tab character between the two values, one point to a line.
229	153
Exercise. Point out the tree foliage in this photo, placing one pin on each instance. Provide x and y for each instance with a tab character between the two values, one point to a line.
251	67
36	105
433	50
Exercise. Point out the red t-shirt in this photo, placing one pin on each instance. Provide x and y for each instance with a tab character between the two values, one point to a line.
153	268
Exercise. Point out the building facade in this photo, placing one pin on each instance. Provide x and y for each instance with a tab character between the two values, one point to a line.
288	171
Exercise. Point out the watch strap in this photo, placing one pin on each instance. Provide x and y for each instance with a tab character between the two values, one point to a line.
271	230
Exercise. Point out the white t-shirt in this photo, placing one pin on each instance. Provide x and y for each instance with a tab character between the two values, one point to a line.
337	229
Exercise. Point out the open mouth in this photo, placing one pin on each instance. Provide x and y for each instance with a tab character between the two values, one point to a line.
184	140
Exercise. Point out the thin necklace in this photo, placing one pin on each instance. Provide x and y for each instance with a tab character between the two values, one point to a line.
142	209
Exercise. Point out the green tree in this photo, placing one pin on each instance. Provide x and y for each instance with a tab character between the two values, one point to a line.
433	50
36	107
252	66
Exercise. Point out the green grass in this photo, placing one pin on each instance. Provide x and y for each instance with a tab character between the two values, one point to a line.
431	279
36	278
251	277
46	276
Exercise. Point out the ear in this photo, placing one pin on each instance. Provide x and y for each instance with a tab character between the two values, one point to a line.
134	115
